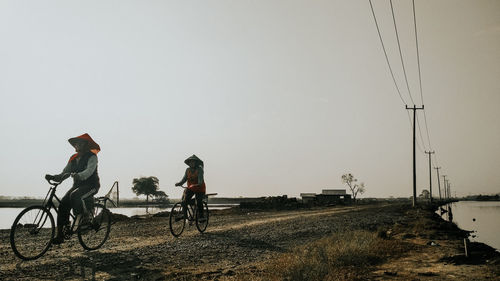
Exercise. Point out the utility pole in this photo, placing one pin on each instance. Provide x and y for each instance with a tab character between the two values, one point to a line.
430	173
414	108
446	190
449	190
439	182
444	186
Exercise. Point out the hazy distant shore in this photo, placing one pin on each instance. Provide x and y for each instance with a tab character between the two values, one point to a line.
13	202
26	202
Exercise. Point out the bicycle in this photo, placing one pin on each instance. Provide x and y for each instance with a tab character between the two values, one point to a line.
33	229
177	220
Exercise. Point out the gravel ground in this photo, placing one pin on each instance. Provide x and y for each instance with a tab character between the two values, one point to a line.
235	241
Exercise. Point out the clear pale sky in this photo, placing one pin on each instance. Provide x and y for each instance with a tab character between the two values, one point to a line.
277	97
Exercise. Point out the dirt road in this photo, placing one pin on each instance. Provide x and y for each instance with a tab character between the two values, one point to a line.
235	240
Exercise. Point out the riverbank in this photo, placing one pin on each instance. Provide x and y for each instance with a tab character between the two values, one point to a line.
404	244
420	247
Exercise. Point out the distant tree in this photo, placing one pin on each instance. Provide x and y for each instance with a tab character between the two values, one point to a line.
425	194
161	196
145	186
355	188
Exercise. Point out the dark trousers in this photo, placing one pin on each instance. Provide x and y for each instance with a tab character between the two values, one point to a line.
188	194
74	198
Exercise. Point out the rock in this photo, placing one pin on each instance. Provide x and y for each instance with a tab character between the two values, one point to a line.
432	243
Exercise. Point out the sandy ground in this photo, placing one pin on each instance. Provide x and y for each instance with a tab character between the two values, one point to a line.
236	246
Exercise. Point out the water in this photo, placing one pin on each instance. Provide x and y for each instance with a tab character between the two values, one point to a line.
482	217
138	211
8	215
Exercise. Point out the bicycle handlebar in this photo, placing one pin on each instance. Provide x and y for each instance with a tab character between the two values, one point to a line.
207	195
56	183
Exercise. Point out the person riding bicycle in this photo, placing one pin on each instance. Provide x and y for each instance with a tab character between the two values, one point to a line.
196	184
82	166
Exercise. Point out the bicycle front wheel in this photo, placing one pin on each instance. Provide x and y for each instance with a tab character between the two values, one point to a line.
32	232
202	218
94	233
177	221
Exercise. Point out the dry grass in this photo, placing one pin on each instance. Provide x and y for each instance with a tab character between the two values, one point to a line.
347	256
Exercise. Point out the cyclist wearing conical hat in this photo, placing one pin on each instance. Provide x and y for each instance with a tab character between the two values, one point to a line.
195	183
82	166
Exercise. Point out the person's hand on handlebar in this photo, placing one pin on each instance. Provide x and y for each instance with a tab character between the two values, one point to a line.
56	178
75	176
178	184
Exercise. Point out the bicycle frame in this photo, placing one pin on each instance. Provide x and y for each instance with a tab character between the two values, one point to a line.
191	209
48	203
192	205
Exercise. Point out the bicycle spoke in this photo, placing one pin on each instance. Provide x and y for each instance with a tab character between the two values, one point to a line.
32	232
202	221
93	234
177	220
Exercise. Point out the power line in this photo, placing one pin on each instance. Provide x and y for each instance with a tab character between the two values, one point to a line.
427	129
385	53
436	162
414	108
420	131
420	73
418	54
400	53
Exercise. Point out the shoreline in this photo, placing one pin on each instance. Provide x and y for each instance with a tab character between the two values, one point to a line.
243	244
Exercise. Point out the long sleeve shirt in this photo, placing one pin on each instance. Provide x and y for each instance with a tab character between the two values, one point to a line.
85	174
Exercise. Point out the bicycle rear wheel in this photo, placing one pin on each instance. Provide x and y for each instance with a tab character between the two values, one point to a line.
177	222
94	233
32	232
202	221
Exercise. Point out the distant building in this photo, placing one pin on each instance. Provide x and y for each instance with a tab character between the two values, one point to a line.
308	197
327	196
333	192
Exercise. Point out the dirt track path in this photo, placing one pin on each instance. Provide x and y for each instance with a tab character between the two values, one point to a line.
144	249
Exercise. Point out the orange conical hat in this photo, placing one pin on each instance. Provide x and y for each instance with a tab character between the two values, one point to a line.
93	146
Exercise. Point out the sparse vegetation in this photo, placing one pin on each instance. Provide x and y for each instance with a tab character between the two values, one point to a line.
346	256
147	186
355	188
